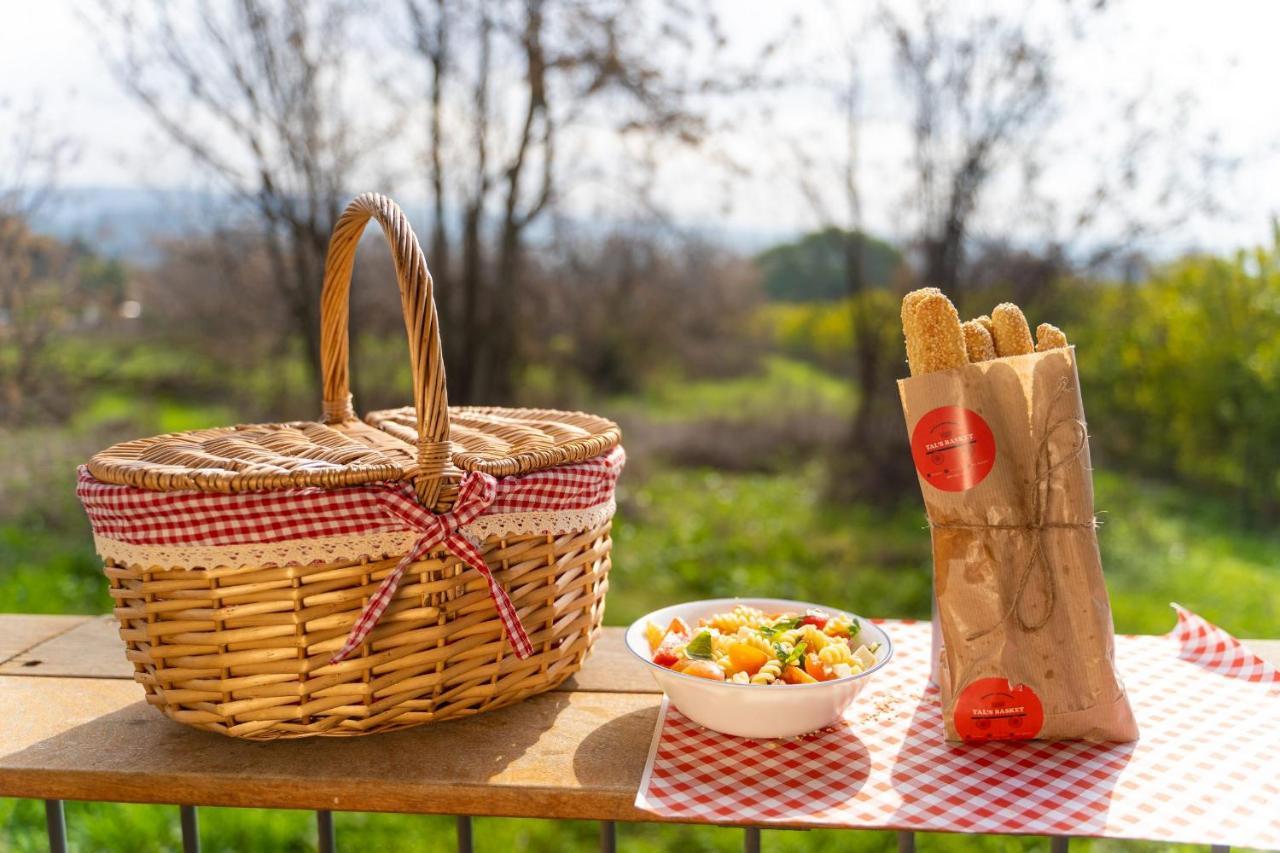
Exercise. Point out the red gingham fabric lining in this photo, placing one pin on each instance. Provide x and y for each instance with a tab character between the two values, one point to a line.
1204	770
141	517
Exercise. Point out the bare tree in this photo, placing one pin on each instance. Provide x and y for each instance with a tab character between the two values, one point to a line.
978	88
253	92
872	459
983	94
33	269
513	88
641	300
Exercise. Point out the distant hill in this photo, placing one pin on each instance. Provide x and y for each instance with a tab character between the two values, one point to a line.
126	223
812	268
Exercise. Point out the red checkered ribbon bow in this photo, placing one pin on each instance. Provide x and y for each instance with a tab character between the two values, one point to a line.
476	492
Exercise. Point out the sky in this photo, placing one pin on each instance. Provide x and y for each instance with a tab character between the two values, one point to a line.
1223	54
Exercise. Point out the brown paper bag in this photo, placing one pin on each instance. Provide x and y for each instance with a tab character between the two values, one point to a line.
1027	643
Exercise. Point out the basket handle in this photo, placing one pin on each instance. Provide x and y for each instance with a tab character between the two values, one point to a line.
430	401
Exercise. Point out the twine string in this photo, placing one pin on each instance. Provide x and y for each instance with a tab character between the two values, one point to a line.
1046	466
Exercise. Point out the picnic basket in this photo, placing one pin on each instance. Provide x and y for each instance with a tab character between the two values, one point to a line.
345	577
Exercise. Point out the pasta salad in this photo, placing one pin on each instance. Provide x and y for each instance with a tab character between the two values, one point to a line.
748	646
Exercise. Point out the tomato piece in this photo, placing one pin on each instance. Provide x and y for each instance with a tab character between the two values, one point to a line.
668	652
816	618
704	669
796	675
814	666
747	658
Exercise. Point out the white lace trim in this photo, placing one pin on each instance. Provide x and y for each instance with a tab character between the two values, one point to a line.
543	522
332	549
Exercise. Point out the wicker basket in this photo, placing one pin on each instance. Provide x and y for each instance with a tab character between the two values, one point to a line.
242	642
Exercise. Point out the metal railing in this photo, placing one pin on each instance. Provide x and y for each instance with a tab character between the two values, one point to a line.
326	838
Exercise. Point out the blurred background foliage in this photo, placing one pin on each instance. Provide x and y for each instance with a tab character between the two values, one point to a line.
1190	389
754	383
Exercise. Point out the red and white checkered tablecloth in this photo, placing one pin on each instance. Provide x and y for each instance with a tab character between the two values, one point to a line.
1206	769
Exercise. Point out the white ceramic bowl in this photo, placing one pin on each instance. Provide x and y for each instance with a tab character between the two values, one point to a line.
751	710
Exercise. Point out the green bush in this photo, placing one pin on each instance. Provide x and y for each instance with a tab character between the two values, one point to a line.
1182	375
823	332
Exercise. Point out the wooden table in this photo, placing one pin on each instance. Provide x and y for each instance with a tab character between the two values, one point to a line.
76	728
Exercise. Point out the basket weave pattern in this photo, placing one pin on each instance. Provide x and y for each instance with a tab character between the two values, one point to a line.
246	651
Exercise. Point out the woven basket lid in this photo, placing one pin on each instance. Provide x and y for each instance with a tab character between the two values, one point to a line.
428	443
253	457
502	442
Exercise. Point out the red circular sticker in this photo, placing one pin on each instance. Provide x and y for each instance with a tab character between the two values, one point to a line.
992	709
953	448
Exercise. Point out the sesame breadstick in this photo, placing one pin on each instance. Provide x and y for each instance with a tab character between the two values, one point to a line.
934	339
1049	336
913	298
909	303
984	321
977	341
1009	330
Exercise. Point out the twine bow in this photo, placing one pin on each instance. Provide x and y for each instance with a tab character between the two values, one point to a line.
476	492
1045	468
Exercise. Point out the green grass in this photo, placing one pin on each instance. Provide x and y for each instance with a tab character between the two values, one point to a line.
162	414
46	572
111	827
704	534
1163	544
133	363
783	384
697	534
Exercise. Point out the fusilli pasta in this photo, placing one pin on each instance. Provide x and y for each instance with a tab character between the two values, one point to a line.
768	673
747	646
